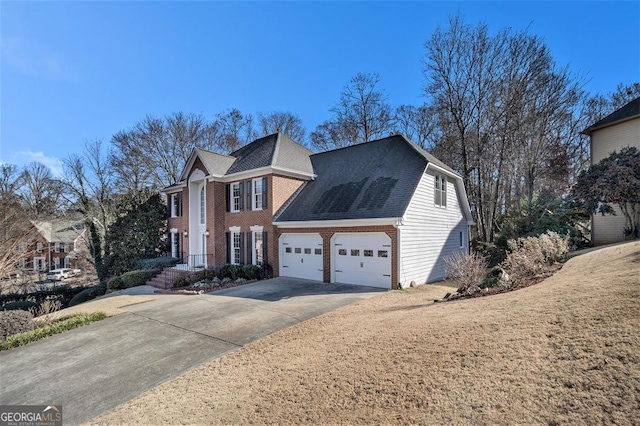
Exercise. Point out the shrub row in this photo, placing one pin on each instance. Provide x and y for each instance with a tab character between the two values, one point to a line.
89	294
527	257
158	262
20	339
131	279
63	292
230	272
532	256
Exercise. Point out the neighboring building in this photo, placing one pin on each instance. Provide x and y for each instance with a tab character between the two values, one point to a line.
617	130
59	243
382	213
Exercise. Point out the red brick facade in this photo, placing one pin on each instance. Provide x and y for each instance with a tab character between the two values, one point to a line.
279	190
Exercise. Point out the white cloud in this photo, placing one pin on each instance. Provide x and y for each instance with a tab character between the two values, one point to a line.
53	163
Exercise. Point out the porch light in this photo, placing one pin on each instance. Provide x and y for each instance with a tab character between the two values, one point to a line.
185	233
206	233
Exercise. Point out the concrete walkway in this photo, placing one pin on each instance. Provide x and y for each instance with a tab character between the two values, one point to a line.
94	368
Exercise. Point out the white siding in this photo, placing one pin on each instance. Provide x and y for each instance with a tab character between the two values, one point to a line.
429	233
609	229
613	138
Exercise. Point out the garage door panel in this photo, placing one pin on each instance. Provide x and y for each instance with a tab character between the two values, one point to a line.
301	256
363	259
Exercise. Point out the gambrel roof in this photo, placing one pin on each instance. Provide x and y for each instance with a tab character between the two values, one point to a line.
370	180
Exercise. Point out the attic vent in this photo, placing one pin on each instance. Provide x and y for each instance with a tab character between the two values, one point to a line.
377	193
338	199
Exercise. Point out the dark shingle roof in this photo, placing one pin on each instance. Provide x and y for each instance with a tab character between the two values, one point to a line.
371	180
628	111
277	150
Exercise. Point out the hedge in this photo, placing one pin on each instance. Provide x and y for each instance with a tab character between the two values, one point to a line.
57	327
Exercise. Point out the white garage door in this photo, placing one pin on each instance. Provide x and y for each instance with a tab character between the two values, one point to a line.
363	259
301	256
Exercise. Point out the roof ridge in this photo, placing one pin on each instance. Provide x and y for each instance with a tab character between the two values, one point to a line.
276	149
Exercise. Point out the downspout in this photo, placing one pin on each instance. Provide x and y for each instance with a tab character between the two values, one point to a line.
397	225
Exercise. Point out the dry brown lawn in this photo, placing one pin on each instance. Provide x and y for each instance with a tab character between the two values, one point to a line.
565	351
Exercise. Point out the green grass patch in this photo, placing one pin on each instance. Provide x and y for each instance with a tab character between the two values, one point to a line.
57	327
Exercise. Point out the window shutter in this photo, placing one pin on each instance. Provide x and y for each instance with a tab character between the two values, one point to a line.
241	195
249	245
264	248
241	260
228	246
180	204
169	200
249	203
227	190
264	192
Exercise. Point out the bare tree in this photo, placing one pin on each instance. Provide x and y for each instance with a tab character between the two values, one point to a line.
130	167
504	112
235	130
16	230
89	184
10	182
40	192
283	122
362	114
416	123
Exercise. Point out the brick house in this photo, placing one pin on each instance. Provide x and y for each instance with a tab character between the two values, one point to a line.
382	213
58	243
617	130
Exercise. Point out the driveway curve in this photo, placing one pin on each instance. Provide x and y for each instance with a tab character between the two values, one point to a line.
92	369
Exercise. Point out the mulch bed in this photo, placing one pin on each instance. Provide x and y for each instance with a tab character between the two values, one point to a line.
191	290
497	290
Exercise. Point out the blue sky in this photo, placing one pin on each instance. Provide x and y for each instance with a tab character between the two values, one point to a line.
78	71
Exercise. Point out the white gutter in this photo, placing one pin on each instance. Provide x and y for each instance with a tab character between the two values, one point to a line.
339	223
261	171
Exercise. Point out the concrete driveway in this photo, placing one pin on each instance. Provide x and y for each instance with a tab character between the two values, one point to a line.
94	368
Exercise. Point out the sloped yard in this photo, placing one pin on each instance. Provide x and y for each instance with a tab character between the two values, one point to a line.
564	351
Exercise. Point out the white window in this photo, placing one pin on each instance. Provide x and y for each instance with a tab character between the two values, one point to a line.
257	248
461	240
235	197
23	247
39	247
22	263
202	206
257	194
175	205
440	193
236	248
57	247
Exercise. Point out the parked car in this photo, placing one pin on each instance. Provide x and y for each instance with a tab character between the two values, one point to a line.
59	274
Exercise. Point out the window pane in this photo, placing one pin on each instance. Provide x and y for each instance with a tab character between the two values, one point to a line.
307	251
355	252
383	253
318	251
342	252
298	250
287	250
368	253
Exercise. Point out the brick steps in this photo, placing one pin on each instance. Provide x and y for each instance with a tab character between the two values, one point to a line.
164	280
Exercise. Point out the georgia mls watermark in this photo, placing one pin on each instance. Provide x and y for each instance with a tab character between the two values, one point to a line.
30	415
